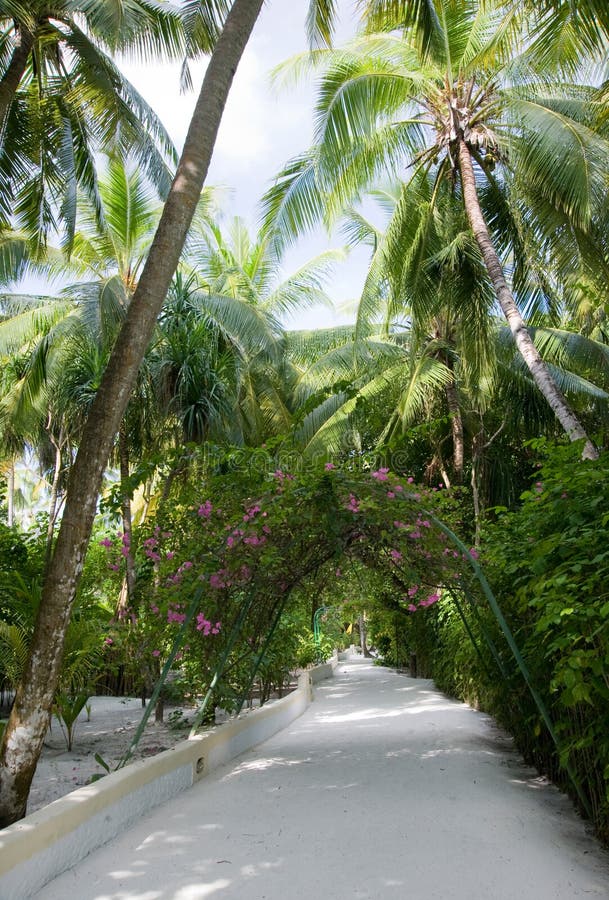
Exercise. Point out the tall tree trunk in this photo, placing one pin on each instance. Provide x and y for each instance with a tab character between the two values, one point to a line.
10	494
536	365
27	725
57	444
128	590
10	81
456	424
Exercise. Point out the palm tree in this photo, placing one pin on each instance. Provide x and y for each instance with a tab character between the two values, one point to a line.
242	275
456	102
438	349
62	98
24	733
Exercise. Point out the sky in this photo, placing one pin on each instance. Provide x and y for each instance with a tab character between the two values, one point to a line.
262	127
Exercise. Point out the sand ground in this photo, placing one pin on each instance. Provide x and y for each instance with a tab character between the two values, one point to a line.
384	788
106	730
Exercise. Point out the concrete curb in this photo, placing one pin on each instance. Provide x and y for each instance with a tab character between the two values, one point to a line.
55	838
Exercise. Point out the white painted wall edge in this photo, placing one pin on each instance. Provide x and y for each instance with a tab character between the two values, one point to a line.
44	844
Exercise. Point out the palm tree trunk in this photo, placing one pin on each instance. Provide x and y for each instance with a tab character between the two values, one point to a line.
11	79
26	728
456	424
536	365
53	511
10	491
128	591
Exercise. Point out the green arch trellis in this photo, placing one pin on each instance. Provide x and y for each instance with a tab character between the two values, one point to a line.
343	538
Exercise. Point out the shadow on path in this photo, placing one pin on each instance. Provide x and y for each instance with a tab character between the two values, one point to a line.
384	788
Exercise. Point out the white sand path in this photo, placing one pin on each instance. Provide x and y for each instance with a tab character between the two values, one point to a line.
384	788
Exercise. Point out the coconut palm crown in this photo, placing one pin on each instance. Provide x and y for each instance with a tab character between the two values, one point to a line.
460	101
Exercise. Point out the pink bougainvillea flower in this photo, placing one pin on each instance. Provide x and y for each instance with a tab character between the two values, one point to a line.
156	652
245	573
410	480
106	542
329	466
412	607
108	642
353	503
114	567
473	553
381	475
395	555
390	495
412	590
205	510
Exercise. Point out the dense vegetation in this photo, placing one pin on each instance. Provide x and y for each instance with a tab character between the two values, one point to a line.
255	480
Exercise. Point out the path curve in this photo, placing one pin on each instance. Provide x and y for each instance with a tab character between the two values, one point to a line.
384	788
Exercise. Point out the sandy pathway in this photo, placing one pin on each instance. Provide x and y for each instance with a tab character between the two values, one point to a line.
382	789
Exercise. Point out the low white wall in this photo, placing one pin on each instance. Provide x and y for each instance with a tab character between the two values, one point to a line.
55	838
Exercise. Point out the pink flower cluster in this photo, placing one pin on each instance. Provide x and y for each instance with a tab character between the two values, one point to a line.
381	475
428	601
206	626
253	540
175	615
353	504
151	549
205	510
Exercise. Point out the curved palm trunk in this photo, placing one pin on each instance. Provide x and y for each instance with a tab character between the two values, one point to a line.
536	365
27	725
11	79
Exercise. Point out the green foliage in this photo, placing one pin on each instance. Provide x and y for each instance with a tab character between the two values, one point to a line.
548	564
67	708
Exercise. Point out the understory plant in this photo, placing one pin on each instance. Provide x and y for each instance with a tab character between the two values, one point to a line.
548	565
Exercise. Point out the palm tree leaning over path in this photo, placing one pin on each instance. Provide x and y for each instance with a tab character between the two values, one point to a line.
26	728
462	105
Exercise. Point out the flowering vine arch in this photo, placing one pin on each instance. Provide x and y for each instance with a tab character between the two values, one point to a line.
243	548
